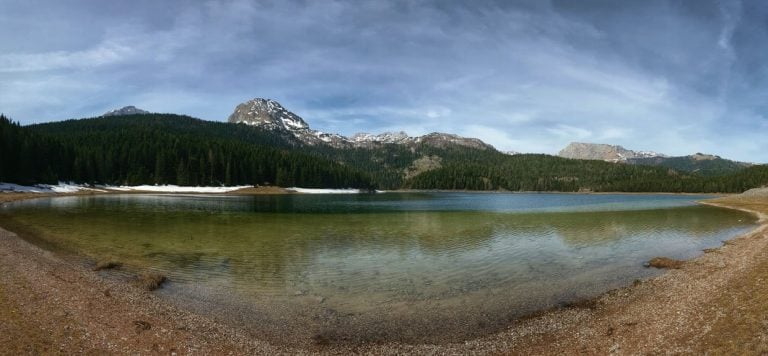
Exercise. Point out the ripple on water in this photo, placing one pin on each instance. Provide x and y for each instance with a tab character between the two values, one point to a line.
419	267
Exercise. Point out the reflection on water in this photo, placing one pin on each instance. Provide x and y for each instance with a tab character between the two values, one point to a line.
412	267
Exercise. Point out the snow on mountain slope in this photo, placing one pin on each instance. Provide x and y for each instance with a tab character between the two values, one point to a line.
269	114
596	151
126	110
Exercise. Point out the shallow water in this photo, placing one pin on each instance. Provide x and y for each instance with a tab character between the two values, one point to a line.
410	267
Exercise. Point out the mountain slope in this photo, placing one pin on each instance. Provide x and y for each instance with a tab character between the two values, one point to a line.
698	163
388	157
126	110
156	148
270	115
603	152
527	172
708	165
173	149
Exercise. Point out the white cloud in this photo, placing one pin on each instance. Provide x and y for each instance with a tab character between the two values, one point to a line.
532	79
103	54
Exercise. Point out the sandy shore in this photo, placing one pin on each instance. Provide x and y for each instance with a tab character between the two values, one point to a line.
51	305
713	304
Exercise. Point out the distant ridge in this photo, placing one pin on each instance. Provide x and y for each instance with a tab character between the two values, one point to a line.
603	152
269	114
126	110
705	164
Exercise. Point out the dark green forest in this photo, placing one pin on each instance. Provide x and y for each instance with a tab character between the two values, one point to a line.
706	167
161	149
532	172
174	149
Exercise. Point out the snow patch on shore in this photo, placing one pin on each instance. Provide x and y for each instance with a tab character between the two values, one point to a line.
45	188
175	189
73	188
324	191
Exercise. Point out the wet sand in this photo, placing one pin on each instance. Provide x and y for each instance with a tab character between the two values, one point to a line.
714	303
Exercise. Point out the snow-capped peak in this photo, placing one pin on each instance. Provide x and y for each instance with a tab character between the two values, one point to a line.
267	113
386	137
126	110
270	115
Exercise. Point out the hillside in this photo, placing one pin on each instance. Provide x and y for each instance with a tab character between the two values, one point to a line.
699	163
603	152
708	165
164	149
267	145
529	172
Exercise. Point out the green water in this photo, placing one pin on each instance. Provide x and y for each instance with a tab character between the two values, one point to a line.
409	267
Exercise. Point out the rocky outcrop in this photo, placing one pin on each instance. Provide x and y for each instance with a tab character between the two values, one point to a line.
386	137
269	114
126	110
757	192
610	153
423	164
700	163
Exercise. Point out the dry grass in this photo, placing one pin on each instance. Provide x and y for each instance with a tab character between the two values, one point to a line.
758	204
149	280
665	262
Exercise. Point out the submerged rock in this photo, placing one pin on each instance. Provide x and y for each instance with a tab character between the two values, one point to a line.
664	262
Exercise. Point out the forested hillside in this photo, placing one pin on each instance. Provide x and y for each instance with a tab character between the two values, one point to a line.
387	164
173	149
705	165
29	158
549	173
163	149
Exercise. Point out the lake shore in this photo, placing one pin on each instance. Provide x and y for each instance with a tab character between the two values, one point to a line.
712	303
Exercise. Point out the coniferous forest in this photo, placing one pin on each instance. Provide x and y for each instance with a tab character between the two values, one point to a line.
167	149
174	149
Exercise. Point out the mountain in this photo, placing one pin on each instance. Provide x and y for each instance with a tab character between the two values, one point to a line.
126	110
170	149
704	164
269	114
176	149
603	152
390	158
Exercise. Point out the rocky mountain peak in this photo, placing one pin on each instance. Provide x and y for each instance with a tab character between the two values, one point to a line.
440	139
386	137
126	110
267	113
604	152
698	156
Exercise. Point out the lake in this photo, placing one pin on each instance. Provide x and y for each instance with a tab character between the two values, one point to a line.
412	267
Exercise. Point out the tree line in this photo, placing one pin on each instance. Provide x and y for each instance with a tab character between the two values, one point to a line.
531	172
161	149
174	149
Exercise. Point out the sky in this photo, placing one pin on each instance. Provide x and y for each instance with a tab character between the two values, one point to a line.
676	77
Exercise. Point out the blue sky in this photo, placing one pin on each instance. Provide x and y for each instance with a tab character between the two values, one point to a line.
677	77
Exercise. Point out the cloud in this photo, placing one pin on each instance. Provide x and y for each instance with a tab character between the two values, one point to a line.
731	12
104	54
528	76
